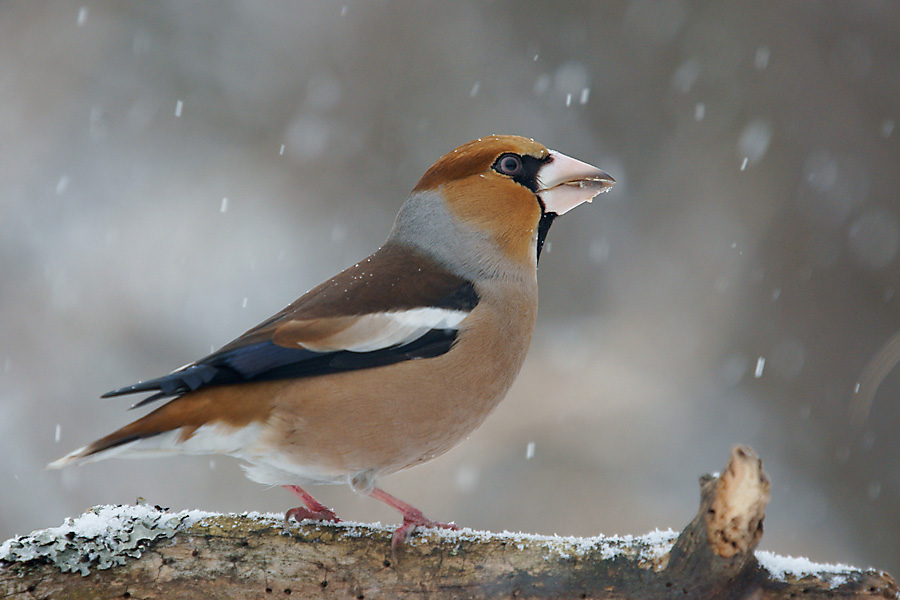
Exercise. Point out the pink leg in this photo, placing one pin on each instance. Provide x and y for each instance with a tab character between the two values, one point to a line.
314	511
412	518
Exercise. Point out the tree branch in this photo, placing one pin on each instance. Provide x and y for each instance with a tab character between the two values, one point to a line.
144	552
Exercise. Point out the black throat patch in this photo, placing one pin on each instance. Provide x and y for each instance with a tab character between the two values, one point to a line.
543	228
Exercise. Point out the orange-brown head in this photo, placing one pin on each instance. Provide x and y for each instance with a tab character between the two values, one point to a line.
484	208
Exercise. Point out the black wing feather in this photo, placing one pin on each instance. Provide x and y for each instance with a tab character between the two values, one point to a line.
266	361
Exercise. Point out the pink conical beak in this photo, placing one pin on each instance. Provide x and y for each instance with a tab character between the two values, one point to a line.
564	183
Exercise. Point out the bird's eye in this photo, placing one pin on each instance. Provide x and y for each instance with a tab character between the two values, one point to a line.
509	164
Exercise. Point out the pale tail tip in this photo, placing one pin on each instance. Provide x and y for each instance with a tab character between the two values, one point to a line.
73	458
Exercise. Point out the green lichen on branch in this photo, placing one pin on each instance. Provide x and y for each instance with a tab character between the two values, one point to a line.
103	537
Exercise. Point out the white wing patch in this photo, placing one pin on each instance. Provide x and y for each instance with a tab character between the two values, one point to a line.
383	330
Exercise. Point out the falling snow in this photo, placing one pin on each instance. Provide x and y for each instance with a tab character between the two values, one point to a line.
754	140
760	365
467	477
761	59
686	75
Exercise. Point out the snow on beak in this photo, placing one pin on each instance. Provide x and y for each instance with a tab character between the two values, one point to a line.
564	183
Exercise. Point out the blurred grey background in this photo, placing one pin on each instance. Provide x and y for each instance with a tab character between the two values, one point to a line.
173	173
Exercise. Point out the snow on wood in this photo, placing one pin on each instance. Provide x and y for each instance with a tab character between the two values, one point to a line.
147	552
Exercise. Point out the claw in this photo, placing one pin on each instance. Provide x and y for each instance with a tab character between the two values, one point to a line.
314	511
299	514
412	520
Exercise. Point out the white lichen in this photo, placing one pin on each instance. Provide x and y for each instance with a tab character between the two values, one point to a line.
102	537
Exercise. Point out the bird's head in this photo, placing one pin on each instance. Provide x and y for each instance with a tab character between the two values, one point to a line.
487	205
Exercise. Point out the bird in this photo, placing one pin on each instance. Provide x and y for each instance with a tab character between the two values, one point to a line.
389	363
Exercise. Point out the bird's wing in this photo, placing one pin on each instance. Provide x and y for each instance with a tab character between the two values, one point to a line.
396	305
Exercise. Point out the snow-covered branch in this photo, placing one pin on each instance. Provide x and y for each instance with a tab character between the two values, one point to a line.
145	552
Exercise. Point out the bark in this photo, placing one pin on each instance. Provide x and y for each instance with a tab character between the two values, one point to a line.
141	552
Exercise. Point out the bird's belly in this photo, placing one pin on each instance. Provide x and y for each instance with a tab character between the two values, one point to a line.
383	428
384	420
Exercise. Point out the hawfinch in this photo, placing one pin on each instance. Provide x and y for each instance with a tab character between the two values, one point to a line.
391	362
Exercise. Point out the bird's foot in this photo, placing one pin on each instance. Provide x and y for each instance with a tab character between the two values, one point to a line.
314	510
321	514
413	518
300	513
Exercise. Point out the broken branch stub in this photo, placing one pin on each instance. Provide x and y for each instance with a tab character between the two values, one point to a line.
714	553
